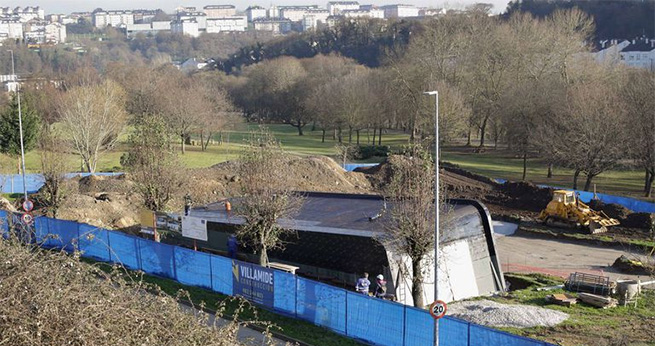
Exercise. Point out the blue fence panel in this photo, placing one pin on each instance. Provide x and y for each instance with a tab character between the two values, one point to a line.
375	320
322	305
4	225
193	267
483	336
41	229
124	249
64	234
453	331
284	299
33	182
94	242
222	276
419	328
157	258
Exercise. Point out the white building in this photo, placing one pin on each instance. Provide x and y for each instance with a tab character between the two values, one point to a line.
102	18
336	7
55	33
147	28
372	13
400	11
274	12
219	11
233	23
295	13
185	27
640	53
11	29
199	17
314	19
432	12
144	16
192	64
276	26
255	12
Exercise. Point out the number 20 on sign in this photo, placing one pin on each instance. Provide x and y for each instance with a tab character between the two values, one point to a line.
438	309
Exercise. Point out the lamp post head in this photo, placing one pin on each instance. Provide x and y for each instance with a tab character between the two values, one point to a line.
431	93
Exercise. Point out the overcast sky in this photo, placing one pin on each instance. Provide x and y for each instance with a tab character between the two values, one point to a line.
67	6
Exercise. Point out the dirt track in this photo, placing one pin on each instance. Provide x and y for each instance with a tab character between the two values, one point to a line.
525	253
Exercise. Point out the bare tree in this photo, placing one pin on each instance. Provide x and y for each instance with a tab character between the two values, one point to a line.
264	201
93	116
53	169
153	163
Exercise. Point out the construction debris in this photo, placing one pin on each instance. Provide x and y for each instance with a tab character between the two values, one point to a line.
595	284
598	301
549	288
492	314
632	266
561	299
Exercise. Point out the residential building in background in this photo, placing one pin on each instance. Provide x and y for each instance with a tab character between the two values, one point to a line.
227	24
400	11
255	12
186	27
295	13
336	7
276	26
361	13
10	28
219	11
103	18
637	53
199	17
314	19
147	28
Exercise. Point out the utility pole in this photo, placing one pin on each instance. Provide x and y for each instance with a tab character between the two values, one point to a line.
20	123
436	209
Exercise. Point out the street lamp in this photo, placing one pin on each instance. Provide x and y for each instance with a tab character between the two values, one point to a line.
20	122
436	209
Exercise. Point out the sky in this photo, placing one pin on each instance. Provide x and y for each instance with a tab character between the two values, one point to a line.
67	6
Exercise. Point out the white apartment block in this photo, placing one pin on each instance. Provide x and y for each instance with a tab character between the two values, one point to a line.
372	13
147	28
432	12
274	12
276	26
11	29
42	32
255	12
400	11
24	14
227	24
199	17
185	27
314	18
219	11
295	13
144	16
640	53
336	7
102	18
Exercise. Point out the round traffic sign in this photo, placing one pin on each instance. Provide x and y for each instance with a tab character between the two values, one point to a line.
438	309
28	205
27	218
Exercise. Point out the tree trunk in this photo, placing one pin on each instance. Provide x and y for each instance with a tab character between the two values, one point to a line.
350	134
575	179
374	133
379	136
587	183
340	135
263	257
202	141
209	136
334	134
483	130
648	188
468	137
357	132
550	170
300	133
525	165
183	147
417	283
323	137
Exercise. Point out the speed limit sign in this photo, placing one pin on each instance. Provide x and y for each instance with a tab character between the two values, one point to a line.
438	309
27	218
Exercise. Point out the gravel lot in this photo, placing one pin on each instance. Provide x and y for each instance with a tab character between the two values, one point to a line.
492	314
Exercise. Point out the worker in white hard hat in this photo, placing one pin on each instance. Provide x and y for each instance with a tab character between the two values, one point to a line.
381	289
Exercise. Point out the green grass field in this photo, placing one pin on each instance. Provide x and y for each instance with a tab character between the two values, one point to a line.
491	163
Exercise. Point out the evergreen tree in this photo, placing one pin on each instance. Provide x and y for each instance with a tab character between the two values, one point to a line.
9	128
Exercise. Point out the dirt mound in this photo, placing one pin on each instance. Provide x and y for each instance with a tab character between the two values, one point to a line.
639	220
100	183
631	266
615	211
109	210
526	196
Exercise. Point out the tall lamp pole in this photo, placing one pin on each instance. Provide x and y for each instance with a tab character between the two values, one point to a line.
436	208
20	123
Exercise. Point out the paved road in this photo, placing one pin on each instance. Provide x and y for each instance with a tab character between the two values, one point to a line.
524	253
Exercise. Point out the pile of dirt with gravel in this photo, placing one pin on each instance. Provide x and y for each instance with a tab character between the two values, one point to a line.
526	195
492	314
627	217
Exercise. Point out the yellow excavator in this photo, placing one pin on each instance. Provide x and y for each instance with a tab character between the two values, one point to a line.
566	209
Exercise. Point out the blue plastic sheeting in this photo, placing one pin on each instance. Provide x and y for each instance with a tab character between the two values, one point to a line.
349	167
453	331
322	305
285	292
483	336
94	242
124	249
64	234
375	320
4	226
193	267
157	258
221	271
419	327
41	229
33	182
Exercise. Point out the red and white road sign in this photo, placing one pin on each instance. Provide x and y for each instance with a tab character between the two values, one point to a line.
28	205
27	218
438	309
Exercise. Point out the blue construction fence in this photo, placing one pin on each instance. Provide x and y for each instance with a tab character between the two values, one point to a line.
352	314
33	182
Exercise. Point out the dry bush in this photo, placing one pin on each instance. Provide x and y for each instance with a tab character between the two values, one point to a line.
50	298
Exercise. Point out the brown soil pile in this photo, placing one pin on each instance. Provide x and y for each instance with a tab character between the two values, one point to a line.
615	211
629	266
526	196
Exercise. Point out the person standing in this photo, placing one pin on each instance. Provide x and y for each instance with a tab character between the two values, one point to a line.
363	284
